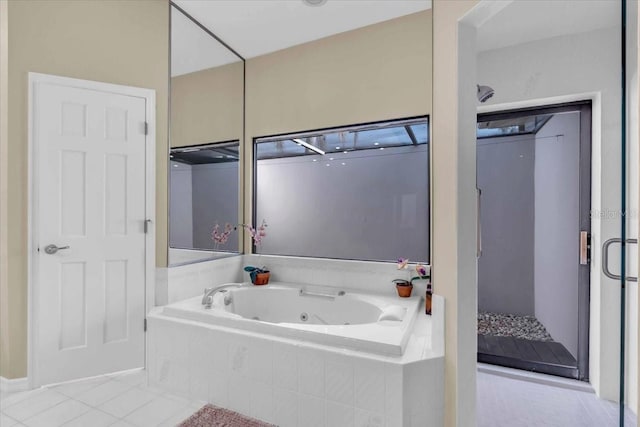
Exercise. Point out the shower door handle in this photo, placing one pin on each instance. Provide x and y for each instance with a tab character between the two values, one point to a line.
605	259
585	248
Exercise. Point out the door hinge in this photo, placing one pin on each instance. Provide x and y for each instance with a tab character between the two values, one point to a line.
146	128
145	325
146	225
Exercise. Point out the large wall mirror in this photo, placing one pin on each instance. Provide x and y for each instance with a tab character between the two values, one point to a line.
206	130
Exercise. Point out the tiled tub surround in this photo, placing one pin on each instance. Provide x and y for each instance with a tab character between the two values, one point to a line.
181	282
185	281
293	382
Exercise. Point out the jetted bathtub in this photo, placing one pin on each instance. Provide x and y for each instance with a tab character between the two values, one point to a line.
363	322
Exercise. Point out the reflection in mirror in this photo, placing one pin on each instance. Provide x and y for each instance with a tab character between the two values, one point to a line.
204	180
206	125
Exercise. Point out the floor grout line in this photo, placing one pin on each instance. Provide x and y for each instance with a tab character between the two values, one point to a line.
41	390
44	410
503	400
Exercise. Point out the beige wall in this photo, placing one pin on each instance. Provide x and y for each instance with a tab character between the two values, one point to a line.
378	72
637	410
111	41
4	295
454	210
206	106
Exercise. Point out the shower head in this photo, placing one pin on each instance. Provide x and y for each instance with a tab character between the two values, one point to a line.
484	93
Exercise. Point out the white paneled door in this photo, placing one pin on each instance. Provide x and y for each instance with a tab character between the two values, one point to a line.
88	292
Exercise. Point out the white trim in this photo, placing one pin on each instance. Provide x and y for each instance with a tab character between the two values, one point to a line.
110	375
594	97
149	96
536	377
13	385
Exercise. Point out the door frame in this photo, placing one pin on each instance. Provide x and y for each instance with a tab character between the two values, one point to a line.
586	104
34	80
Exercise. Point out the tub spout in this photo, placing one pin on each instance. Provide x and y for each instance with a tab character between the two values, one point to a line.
207	298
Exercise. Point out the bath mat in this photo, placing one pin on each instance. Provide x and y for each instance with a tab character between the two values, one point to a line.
512	325
213	416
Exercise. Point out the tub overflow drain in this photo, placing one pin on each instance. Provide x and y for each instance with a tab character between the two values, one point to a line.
304	317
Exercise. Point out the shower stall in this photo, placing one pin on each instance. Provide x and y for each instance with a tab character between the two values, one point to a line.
533	173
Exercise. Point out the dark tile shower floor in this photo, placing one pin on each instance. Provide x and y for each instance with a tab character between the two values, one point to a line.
522	342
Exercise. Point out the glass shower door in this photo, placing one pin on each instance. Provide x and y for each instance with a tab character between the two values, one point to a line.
534	174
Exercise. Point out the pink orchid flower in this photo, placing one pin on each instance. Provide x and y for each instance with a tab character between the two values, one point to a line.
421	270
259	234
402	263
221	237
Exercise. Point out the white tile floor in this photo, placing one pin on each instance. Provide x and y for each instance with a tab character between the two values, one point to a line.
124	400
512	402
118	400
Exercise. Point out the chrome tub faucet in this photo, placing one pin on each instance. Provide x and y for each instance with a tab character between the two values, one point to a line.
207	298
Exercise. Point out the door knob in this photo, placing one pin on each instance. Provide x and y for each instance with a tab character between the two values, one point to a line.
52	249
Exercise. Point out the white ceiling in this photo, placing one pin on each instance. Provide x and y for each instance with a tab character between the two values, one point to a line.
257	27
528	20
192	49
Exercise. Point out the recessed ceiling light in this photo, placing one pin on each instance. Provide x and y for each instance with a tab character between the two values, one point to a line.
171	156
382	148
343	163
315	160
175	166
376	143
328	164
330	158
345	151
337	148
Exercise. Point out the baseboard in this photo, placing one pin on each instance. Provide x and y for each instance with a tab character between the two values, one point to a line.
13	385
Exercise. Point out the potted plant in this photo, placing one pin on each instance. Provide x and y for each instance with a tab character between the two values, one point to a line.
259	275
404	287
